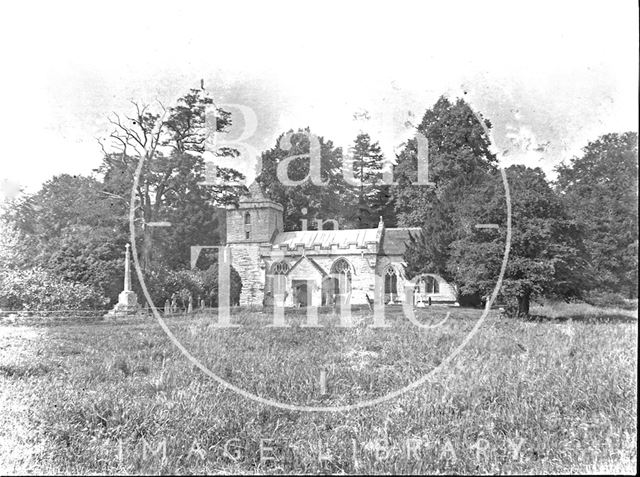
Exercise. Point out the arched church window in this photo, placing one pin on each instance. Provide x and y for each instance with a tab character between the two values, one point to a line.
341	271
425	286
432	285
278	280
391	281
428	285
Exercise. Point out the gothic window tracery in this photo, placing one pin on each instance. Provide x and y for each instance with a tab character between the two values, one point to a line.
390	284
341	271
280	268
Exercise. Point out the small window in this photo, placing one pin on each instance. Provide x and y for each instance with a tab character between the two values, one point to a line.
429	285
247	225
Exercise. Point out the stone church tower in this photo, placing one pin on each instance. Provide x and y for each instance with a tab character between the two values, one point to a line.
255	222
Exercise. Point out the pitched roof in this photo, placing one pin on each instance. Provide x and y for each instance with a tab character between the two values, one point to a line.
256	196
394	240
255	192
312	261
326	238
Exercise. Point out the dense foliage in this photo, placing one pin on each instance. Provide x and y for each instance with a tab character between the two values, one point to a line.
164	284
40	290
600	190
571	244
545	247
322	202
371	199
460	165
577	237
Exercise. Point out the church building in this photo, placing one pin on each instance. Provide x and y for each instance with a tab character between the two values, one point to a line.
321	267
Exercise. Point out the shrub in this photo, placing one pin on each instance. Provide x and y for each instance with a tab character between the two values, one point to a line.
610	299
38	290
162	283
210	279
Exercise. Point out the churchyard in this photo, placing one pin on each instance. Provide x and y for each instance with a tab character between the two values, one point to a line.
555	393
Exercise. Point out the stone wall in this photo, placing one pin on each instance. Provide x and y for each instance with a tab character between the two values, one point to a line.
447	292
246	260
305	270
253	257
362	275
264	222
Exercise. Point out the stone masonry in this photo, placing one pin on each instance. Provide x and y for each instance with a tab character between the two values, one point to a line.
308	260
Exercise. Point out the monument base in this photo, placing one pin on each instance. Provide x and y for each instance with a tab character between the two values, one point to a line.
127	305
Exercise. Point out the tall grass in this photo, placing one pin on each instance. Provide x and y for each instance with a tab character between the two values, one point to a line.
522	397
582	311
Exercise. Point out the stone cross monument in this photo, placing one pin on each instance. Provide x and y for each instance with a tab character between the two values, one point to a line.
127	300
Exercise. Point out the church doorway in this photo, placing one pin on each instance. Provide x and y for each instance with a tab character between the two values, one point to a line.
328	291
300	293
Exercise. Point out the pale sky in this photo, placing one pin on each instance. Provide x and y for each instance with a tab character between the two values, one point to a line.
550	75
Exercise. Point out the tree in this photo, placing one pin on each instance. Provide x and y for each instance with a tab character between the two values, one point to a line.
13	253
601	192
321	201
371	199
458	148
76	227
459	163
427	252
40	290
71	229
172	143
546	243
162	283
63	202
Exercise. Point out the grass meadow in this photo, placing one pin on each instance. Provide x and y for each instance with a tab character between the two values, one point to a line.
554	394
